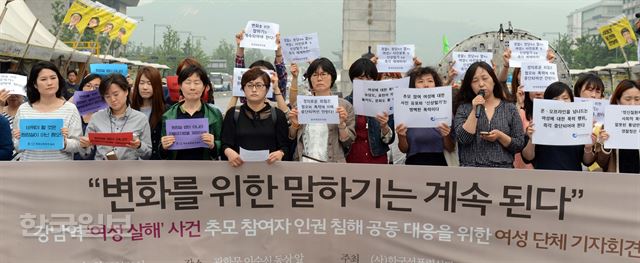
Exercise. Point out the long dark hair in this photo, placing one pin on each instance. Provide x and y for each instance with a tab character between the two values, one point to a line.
466	94
33	95
157	101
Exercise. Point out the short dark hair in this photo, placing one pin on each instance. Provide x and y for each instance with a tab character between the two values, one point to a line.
122	30
419	72
88	79
466	93
72	71
188	71
117	79
623	86
33	95
624	30
253	74
263	63
326	65
556	89
363	66
591	80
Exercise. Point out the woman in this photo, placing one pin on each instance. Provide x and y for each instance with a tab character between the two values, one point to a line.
6	145
119	117
373	135
13	102
323	142
589	86
192	81
425	146
148	99
622	160
255	125
44	90
487	127
550	157
90	83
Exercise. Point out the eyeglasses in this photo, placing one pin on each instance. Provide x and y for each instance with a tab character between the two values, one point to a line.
91	87
257	86
317	75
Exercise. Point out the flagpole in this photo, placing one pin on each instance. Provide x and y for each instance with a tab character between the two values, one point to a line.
624	54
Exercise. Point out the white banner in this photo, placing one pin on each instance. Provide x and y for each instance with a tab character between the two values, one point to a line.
371	98
395	58
300	48
527	50
260	35
562	123
423	108
622	122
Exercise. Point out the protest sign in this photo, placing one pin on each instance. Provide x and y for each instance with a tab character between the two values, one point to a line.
254	156
106	69
598	107
41	134
464	59
537	75
395	58
188	133
618	32
423	108
237	82
622	122
318	109
371	98
14	83
88	101
260	35
114	139
527	50
562	123
300	48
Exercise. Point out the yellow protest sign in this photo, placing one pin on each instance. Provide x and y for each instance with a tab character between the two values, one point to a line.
618	33
126	30
78	16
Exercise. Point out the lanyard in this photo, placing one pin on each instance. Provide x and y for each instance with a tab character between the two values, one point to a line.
111	121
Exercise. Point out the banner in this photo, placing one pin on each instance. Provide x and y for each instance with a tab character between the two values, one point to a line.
188	133
562	123
106	69
618	32
372	98
538	75
423	108
622	122
527	50
395	58
300	48
115	139
465	59
41	134
318	109
88	101
78	16
260	35
207	211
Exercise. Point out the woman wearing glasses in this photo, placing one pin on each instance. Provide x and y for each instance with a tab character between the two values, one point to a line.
323	142
255	125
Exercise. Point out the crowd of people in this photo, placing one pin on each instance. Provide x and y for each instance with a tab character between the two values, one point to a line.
499	135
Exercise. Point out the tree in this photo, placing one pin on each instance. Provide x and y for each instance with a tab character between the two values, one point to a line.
58	8
169	52
563	46
198	53
226	51
591	51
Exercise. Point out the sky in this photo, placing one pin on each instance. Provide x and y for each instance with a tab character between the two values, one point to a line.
419	22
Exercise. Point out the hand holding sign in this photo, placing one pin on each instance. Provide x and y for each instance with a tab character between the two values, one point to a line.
40	134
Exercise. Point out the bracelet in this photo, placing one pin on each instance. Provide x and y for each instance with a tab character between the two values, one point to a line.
603	150
276	94
278	56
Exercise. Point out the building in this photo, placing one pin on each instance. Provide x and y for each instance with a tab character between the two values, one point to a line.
365	23
586	21
630	8
43	9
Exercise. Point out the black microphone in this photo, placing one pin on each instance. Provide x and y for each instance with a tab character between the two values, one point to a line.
479	106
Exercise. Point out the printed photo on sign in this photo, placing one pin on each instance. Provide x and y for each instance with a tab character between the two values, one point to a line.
14	83
537	75
188	133
260	35
318	109
562	123
106	69
622	122
598	107
527	50
464	59
300	48
395	58
237	82
423	108
41	134
371	98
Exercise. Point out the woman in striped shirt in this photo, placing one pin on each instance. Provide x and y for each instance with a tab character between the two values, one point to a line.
44	91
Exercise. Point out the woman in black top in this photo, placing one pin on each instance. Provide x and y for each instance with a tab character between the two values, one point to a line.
255	125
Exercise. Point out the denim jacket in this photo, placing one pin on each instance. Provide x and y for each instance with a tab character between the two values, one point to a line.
376	145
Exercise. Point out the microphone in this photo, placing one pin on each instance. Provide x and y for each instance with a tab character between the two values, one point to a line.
478	107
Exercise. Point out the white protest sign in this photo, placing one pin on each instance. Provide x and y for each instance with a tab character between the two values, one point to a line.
464	59
622	122
371	98
260	35
395	58
562	123
537	75
254	156
527	50
318	109
237	82
14	83
300	48
598	107
423	108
